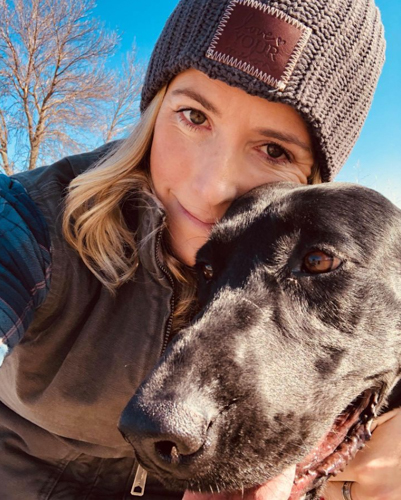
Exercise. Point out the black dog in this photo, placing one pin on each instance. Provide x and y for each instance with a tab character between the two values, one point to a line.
297	340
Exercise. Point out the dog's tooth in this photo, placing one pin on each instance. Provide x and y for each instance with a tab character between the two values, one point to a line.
374	403
355	442
325	471
367	431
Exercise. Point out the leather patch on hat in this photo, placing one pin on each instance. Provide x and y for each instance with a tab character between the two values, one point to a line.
259	40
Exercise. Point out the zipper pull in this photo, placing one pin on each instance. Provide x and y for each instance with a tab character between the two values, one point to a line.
138	486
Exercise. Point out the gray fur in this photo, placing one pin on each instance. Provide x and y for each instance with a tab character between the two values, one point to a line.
275	353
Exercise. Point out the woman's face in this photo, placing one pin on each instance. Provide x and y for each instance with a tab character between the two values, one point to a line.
212	143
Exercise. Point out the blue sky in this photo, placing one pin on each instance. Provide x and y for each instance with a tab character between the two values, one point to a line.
376	158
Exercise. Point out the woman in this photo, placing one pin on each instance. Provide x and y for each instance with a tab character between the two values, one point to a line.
238	93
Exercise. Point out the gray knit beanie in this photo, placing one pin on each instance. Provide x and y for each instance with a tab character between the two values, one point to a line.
322	57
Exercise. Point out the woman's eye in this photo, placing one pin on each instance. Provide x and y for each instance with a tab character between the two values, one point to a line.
194	116
317	262
276	153
274	150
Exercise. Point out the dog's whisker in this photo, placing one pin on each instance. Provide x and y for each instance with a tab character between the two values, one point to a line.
222	486
253	303
302	447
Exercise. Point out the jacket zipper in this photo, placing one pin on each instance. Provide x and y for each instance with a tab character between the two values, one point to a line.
167	273
138	486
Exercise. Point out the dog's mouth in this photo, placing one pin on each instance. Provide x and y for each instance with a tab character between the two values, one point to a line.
348	434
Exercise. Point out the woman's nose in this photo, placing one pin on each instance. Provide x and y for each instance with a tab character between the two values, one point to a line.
216	176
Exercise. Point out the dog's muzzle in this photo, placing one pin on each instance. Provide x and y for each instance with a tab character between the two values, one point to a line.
172	437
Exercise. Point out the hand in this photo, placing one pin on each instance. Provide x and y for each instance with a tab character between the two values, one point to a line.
278	488
376	470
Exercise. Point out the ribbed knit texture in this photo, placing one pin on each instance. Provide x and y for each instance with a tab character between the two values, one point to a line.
331	86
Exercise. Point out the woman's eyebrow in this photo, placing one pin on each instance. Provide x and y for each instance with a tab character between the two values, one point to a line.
198	97
289	138
282	136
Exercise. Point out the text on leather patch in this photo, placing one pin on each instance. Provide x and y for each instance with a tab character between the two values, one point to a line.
259	40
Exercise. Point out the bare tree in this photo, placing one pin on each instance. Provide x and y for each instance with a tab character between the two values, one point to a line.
123	109
54	89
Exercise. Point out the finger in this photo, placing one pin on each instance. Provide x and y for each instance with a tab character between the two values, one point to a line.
385	417
365	456
333	491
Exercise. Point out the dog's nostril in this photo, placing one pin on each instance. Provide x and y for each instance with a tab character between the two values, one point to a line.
181	446
168	451
169	434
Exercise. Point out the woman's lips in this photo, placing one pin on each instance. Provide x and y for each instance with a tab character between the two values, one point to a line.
199	222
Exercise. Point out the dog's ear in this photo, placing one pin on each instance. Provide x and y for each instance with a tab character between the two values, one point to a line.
374	216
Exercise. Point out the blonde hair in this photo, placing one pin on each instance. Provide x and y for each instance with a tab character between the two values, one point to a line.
93	222
315	175
94	225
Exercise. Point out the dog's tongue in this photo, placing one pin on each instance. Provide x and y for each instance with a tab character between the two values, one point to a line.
278	488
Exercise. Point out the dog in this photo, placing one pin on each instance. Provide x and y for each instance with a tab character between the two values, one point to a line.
295	349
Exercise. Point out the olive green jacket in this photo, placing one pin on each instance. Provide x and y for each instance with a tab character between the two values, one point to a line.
86	352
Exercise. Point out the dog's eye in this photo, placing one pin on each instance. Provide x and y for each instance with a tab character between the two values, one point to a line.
317	262
207	271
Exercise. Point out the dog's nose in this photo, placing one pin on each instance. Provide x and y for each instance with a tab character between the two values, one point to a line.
169	434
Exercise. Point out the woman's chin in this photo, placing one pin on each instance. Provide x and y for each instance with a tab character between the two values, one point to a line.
186	256
185	249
